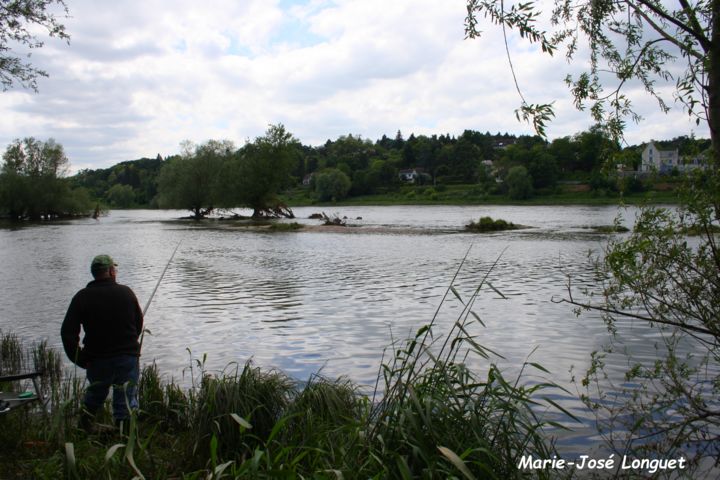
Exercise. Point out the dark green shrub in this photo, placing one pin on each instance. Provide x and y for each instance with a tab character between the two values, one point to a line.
487	224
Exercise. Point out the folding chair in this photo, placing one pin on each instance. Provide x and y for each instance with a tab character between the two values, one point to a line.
11	400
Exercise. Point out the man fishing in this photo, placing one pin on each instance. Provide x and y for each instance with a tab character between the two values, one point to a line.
112	320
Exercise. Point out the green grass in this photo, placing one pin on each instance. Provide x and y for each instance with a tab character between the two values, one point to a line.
430	416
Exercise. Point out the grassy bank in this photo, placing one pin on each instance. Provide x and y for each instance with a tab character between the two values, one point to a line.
430	416
473	195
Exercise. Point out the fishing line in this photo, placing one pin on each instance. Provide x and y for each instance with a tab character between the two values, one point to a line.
157	285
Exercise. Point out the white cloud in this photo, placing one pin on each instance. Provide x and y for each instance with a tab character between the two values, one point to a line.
140	77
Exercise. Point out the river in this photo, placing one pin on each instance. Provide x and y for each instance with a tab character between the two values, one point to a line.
328	301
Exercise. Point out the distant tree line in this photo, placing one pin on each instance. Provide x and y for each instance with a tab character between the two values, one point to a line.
217	175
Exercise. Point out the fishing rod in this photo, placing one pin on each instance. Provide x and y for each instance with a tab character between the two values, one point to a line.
147	305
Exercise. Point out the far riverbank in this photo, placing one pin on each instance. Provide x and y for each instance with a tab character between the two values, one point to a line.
571	194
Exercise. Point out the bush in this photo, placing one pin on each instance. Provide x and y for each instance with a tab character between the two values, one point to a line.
487	224
332	184
519	183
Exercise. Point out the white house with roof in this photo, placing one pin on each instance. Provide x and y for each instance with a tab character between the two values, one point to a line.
659	160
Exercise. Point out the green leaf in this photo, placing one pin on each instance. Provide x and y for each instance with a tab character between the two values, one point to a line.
455	292
221	468
70	456
112	450
566	412
477	318
539	367
404	469
457	462
241	421
496	290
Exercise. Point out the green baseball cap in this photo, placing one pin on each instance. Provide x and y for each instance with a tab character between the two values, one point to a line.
102	262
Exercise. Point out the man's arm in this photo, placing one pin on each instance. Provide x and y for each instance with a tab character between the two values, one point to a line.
138	315
70	334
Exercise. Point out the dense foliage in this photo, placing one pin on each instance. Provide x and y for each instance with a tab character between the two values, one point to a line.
488	224
666	273
32	183
216	175
480	159
192	181
260	171
138	177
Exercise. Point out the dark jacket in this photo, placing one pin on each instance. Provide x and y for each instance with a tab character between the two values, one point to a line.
111	318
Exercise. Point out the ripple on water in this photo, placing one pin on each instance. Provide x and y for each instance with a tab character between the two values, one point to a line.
310	301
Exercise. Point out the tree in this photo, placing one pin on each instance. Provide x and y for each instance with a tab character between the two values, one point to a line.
32	184
630	40
331	184
122	196
563	150
383	173
19	22
192	180
666	273
519	183
464	160
35	158
593	149
141	175
260	170
350	150
543	168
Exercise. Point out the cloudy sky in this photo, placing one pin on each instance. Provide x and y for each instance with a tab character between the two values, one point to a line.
139	77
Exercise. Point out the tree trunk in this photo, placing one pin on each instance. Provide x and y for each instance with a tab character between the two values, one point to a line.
713	85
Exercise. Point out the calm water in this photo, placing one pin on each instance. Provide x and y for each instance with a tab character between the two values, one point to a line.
316	300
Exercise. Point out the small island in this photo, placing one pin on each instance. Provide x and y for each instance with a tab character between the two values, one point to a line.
487	224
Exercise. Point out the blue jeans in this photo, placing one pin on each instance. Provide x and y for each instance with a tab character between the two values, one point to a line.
122	374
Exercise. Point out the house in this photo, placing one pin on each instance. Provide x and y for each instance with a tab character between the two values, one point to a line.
412	175
697	161
656	160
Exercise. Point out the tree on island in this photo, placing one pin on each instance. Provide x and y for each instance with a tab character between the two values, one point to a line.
193	180
258	172
32	183
215	175
666	408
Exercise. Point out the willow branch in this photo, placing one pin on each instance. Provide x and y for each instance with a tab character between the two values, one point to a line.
698	35
667	36
636	316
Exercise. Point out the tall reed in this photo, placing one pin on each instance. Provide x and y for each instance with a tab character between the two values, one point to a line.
439	418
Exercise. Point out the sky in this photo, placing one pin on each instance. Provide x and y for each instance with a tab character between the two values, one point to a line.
140	77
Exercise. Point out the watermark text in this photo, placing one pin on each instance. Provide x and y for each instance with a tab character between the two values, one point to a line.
584	462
